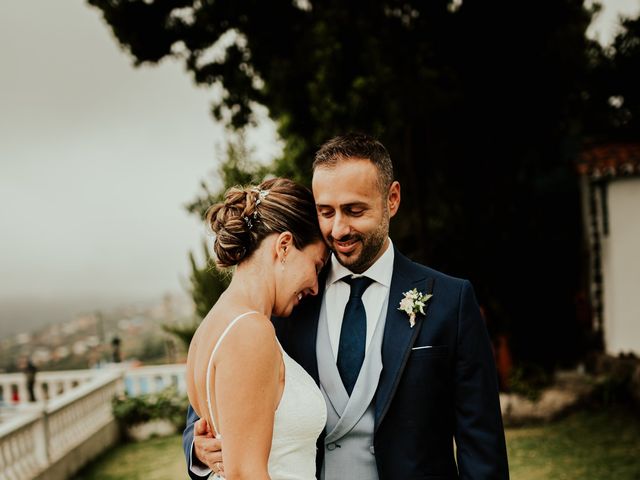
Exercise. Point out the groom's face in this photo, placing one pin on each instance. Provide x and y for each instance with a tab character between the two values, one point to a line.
353	211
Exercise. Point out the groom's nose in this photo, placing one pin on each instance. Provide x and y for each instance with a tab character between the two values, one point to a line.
340	226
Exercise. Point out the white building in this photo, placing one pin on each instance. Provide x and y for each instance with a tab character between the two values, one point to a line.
610	176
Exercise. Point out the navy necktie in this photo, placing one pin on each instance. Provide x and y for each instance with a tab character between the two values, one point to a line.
353	333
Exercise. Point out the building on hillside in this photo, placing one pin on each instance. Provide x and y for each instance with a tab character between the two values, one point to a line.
610	186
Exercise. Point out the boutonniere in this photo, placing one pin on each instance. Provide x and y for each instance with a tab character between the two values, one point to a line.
413	303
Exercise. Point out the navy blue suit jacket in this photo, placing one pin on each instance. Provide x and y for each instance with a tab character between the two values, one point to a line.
426	397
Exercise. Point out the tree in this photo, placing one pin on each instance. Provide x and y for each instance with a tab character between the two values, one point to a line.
237	169
480	104
614	100
626	58
206	283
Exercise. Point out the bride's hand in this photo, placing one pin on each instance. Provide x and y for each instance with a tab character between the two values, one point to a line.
207	448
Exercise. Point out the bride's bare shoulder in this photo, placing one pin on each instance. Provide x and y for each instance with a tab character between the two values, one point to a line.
251	329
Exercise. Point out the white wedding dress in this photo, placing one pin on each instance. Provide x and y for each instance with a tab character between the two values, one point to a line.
299	419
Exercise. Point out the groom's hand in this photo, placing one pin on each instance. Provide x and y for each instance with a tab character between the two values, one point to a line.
207	448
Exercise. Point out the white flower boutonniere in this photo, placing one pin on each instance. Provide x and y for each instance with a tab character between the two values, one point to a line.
413	303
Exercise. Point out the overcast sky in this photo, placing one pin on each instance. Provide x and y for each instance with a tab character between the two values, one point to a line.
97	158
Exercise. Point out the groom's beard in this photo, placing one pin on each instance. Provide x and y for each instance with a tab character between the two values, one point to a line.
370	247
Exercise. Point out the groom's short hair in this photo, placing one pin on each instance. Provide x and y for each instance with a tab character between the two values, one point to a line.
356	145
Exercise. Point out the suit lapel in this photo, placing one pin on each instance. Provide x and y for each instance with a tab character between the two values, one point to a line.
351	409
399	337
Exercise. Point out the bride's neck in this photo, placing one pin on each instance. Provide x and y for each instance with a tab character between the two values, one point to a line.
251	285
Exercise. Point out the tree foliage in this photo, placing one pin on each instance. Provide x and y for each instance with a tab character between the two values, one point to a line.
206	282
237	169
614	96
482	105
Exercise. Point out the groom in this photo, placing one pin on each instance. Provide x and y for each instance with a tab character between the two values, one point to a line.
399	390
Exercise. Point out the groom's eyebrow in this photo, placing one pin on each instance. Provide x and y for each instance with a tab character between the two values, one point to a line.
354	204
343	205
321	207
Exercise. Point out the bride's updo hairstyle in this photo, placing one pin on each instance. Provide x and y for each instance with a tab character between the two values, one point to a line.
249	214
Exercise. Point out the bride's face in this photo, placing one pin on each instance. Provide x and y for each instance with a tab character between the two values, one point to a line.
299	277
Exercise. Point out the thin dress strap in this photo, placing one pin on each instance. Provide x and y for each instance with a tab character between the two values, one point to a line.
208	381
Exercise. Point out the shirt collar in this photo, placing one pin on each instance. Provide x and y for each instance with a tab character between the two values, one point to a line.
381	271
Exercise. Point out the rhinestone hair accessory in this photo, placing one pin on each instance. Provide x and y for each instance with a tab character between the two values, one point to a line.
252	219
262	194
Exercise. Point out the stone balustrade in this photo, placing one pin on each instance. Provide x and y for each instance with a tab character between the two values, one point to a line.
35	441
154	378
48	385
51	385
85	410
23	446
54	437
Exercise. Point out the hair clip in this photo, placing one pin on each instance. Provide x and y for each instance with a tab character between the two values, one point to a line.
262	194
249	219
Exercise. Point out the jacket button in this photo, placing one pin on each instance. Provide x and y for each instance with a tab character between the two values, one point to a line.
331	446
372	450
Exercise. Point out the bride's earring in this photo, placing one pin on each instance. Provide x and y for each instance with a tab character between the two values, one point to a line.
284	256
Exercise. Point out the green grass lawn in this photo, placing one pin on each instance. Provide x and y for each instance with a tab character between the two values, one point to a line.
584	446
155	459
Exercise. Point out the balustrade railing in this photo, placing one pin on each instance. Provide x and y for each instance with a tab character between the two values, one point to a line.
74	418
153	378
51	385
33	439
48	385
23	450
34	436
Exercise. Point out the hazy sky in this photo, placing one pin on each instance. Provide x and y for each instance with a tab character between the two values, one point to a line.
97	158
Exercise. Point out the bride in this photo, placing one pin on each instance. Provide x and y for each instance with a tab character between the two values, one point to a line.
239	379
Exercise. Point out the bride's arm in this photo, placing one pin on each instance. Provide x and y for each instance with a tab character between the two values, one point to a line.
246	393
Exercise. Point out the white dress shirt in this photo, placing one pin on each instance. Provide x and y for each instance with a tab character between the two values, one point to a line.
374	298
198	468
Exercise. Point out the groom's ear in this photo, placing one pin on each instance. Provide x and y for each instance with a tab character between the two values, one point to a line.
393	198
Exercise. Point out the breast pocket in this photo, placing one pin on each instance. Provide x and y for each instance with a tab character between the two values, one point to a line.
427	377
430	351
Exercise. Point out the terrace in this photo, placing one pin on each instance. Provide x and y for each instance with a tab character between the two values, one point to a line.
74	434
74	424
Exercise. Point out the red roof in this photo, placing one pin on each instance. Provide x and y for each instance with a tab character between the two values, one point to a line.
610	160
